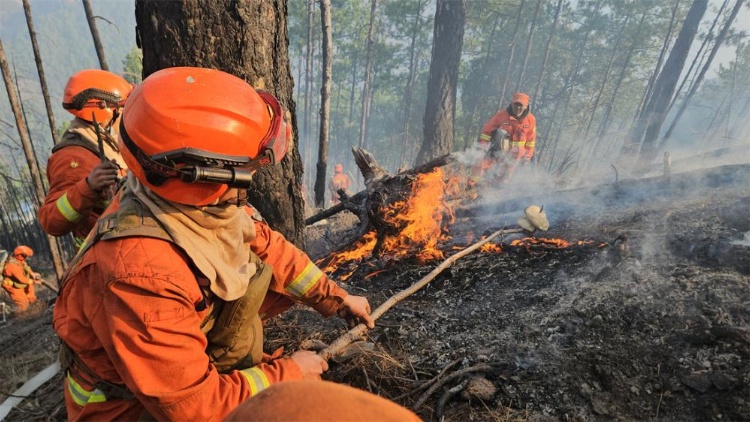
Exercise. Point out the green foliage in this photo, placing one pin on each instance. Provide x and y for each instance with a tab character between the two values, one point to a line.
132	66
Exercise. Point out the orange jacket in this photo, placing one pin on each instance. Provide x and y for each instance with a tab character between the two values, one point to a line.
338	181
18	272
130	312
71	205
522	132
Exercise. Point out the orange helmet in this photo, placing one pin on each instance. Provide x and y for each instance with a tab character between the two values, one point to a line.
520	97
23	250
95	91
338	168
189	134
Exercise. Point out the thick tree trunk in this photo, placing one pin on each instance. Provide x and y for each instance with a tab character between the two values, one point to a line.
365	112
95	34
247	39
23	133
447	42
40	71
325	102
646	128
308	79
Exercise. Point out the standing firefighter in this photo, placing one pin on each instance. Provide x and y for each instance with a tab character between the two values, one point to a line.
19	279
519	126
161	312
339	180
86	164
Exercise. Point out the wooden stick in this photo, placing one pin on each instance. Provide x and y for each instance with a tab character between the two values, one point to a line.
357	332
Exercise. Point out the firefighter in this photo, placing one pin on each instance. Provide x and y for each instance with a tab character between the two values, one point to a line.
516	124
19	279
339	180
161	314
82	170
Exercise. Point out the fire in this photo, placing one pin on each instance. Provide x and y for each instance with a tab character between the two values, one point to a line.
421	220
491	248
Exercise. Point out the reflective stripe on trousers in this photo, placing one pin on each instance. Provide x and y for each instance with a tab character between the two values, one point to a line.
81	396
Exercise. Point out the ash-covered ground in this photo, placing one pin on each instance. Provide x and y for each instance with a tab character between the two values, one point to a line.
648	319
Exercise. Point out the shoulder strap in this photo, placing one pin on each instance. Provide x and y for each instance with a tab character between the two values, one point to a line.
72	139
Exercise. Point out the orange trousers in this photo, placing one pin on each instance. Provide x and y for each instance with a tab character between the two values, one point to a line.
22	297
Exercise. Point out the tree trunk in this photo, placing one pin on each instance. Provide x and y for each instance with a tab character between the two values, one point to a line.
662	54
538	89
308	79
502	103
646	128
247	39
447	42
527	53
95	34
413	59
36	176
694	88
325	102
40	71
366	85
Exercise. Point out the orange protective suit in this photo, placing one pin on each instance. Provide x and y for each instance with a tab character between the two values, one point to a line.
131	311
339	181
522	132
304	401
18	281
71	205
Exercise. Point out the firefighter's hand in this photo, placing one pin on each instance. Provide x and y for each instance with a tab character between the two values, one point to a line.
356	309
310	363
103	176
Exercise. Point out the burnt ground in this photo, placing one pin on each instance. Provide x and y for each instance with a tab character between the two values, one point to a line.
653	328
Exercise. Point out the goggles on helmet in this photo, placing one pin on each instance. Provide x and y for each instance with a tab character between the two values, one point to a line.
193	165
83	100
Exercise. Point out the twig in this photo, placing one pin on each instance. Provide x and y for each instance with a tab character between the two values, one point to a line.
429	382
476	368
357	332
658	406
447	396
367	379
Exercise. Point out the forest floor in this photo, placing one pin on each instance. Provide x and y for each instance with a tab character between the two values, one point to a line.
644	316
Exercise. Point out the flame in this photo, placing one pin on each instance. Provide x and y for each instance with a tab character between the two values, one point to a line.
491	248
421	220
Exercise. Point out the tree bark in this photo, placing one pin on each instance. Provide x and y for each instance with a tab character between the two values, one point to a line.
40	71
450	16
367	76
95	34
39	193
247	39
325	102
645	130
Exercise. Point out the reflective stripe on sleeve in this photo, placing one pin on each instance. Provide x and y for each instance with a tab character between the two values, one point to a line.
67	210
485	137
257	380
517	143
304	281
83	397
530	144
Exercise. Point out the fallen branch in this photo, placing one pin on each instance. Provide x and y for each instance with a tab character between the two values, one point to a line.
357	332
482	367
